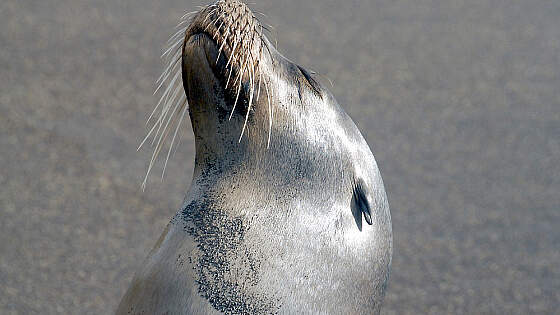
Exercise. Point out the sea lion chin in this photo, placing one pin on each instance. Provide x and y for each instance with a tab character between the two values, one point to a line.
287	212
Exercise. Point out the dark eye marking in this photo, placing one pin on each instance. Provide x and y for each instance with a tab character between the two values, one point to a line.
311	81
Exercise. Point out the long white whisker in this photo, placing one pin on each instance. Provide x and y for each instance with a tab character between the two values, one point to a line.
208	15
170	63
171	48
236	98
179	140
240	79
218	19
224	40
231	57
168	70
173	37
270	114
161	98
165	111
240	40
146	137
165	132
167	90
252	88
259	71
259	84
182	109
187	14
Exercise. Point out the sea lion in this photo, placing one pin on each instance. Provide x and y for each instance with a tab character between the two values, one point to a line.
283	180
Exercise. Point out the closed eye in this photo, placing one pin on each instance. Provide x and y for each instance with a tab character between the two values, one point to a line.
315	87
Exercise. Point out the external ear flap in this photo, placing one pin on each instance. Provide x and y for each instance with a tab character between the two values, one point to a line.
360	204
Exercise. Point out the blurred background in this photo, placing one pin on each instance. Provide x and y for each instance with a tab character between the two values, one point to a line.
459	100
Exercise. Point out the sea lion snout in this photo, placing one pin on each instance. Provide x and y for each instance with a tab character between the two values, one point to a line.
238	35
236	49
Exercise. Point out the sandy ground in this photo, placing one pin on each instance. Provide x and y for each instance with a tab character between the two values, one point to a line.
459	100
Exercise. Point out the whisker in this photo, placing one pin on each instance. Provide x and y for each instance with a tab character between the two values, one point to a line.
176	35
259	12
219	18
270	113
259	84
168	88
188	14
166	77
159	102
171	47
237	41
223	43
171	63
209	15
181	115
251	80
165	131
165	110
237	96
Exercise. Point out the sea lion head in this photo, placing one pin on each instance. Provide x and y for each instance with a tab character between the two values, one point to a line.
237	82
244	96
253	109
